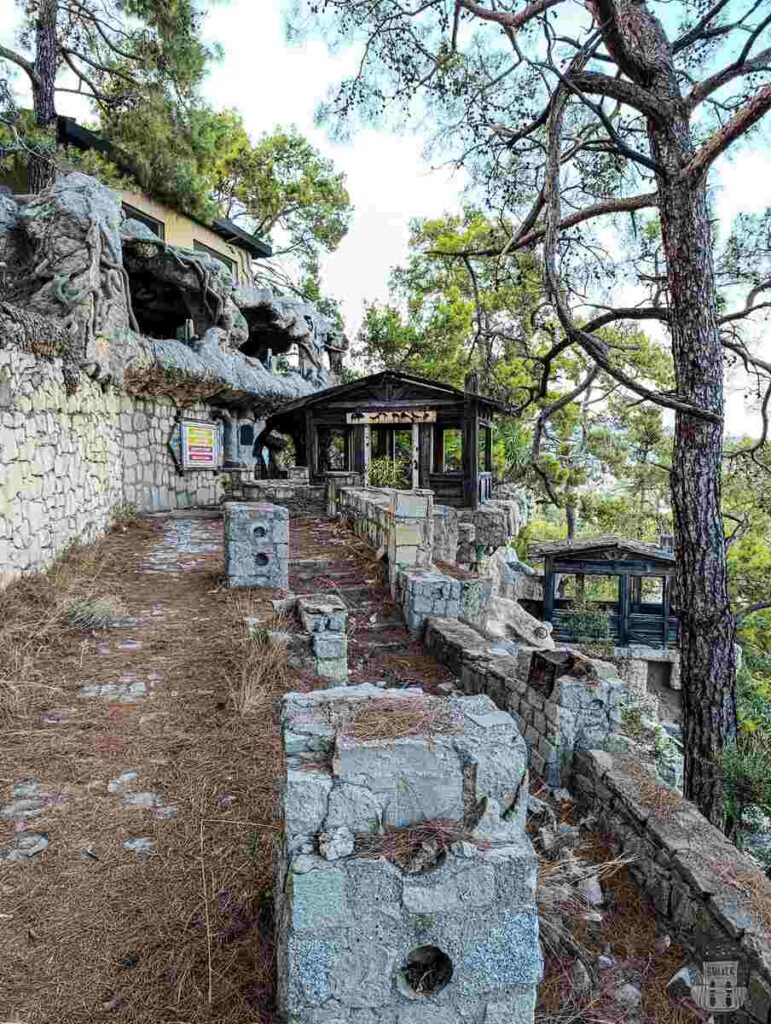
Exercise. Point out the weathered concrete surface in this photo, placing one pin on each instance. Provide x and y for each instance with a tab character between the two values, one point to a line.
325	617
355	919
256	545
581	711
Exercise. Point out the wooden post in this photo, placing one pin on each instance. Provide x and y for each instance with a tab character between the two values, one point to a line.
548	590
310	444
623	610
367	452
471	457
415	456
426	444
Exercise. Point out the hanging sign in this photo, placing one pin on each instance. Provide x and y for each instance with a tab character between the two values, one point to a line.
201	448
392	417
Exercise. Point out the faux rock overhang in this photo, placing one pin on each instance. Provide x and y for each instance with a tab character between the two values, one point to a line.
80	281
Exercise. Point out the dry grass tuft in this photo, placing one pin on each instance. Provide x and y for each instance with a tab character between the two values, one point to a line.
416	848
656	796
393	718
754	887
97	613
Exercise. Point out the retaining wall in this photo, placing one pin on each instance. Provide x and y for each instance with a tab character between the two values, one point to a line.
67	461
700	884
300	499
581	711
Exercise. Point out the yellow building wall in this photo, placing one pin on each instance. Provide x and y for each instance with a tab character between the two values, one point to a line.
184	232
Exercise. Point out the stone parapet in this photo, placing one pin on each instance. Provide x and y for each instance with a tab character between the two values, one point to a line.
297	496
581	709
711	896
405	889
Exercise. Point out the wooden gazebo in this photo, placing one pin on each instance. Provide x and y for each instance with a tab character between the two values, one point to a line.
446	433
633	618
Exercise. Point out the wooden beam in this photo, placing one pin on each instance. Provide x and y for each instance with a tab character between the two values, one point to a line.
548	590
623	610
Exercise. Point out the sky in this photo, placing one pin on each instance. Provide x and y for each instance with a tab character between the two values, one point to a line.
272	82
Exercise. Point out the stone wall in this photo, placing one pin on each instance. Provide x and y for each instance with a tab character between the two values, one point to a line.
714	898
405	888
581	711
67	461
298	497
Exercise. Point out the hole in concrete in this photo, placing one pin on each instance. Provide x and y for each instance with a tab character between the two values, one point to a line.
428	970
261	559
259	531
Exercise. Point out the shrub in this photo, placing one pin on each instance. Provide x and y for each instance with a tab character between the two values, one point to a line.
386	472
585	623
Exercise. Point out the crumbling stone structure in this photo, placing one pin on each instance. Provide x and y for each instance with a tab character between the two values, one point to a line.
713	898
405	890
325	618
565	705
256	545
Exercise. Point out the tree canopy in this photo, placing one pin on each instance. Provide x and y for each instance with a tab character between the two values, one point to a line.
591	135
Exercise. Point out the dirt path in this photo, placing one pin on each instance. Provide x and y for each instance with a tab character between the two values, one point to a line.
136	799
135	802
145	799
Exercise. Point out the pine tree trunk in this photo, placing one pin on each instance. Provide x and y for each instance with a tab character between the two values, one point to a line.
707	626
42	170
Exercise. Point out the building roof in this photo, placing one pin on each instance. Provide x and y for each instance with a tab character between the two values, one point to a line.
70	133
604	546
389	383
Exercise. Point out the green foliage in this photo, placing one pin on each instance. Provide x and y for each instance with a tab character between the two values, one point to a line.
747	780
387	472
585	623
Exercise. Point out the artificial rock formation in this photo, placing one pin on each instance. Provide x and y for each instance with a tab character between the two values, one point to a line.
80	281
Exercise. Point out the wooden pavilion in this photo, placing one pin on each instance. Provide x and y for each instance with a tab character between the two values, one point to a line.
640	613
444	433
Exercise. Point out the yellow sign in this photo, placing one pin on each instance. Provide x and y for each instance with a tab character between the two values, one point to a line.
393	417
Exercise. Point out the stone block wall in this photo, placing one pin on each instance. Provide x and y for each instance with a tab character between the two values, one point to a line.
298	497
405	889
714	898
67	461
151	481
580	712
325	618
398	523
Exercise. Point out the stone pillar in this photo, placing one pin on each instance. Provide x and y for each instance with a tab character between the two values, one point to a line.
325	617
337	479
256	545
403	894
411	532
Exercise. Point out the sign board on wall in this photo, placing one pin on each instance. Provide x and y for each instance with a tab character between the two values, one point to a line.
196	444
393	417
201	445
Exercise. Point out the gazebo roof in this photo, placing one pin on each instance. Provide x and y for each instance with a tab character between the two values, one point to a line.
389	386
607	547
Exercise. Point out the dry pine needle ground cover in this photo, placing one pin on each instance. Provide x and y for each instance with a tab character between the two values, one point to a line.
89	931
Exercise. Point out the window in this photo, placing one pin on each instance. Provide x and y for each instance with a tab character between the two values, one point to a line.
156	226
230	264
246	438
452	450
